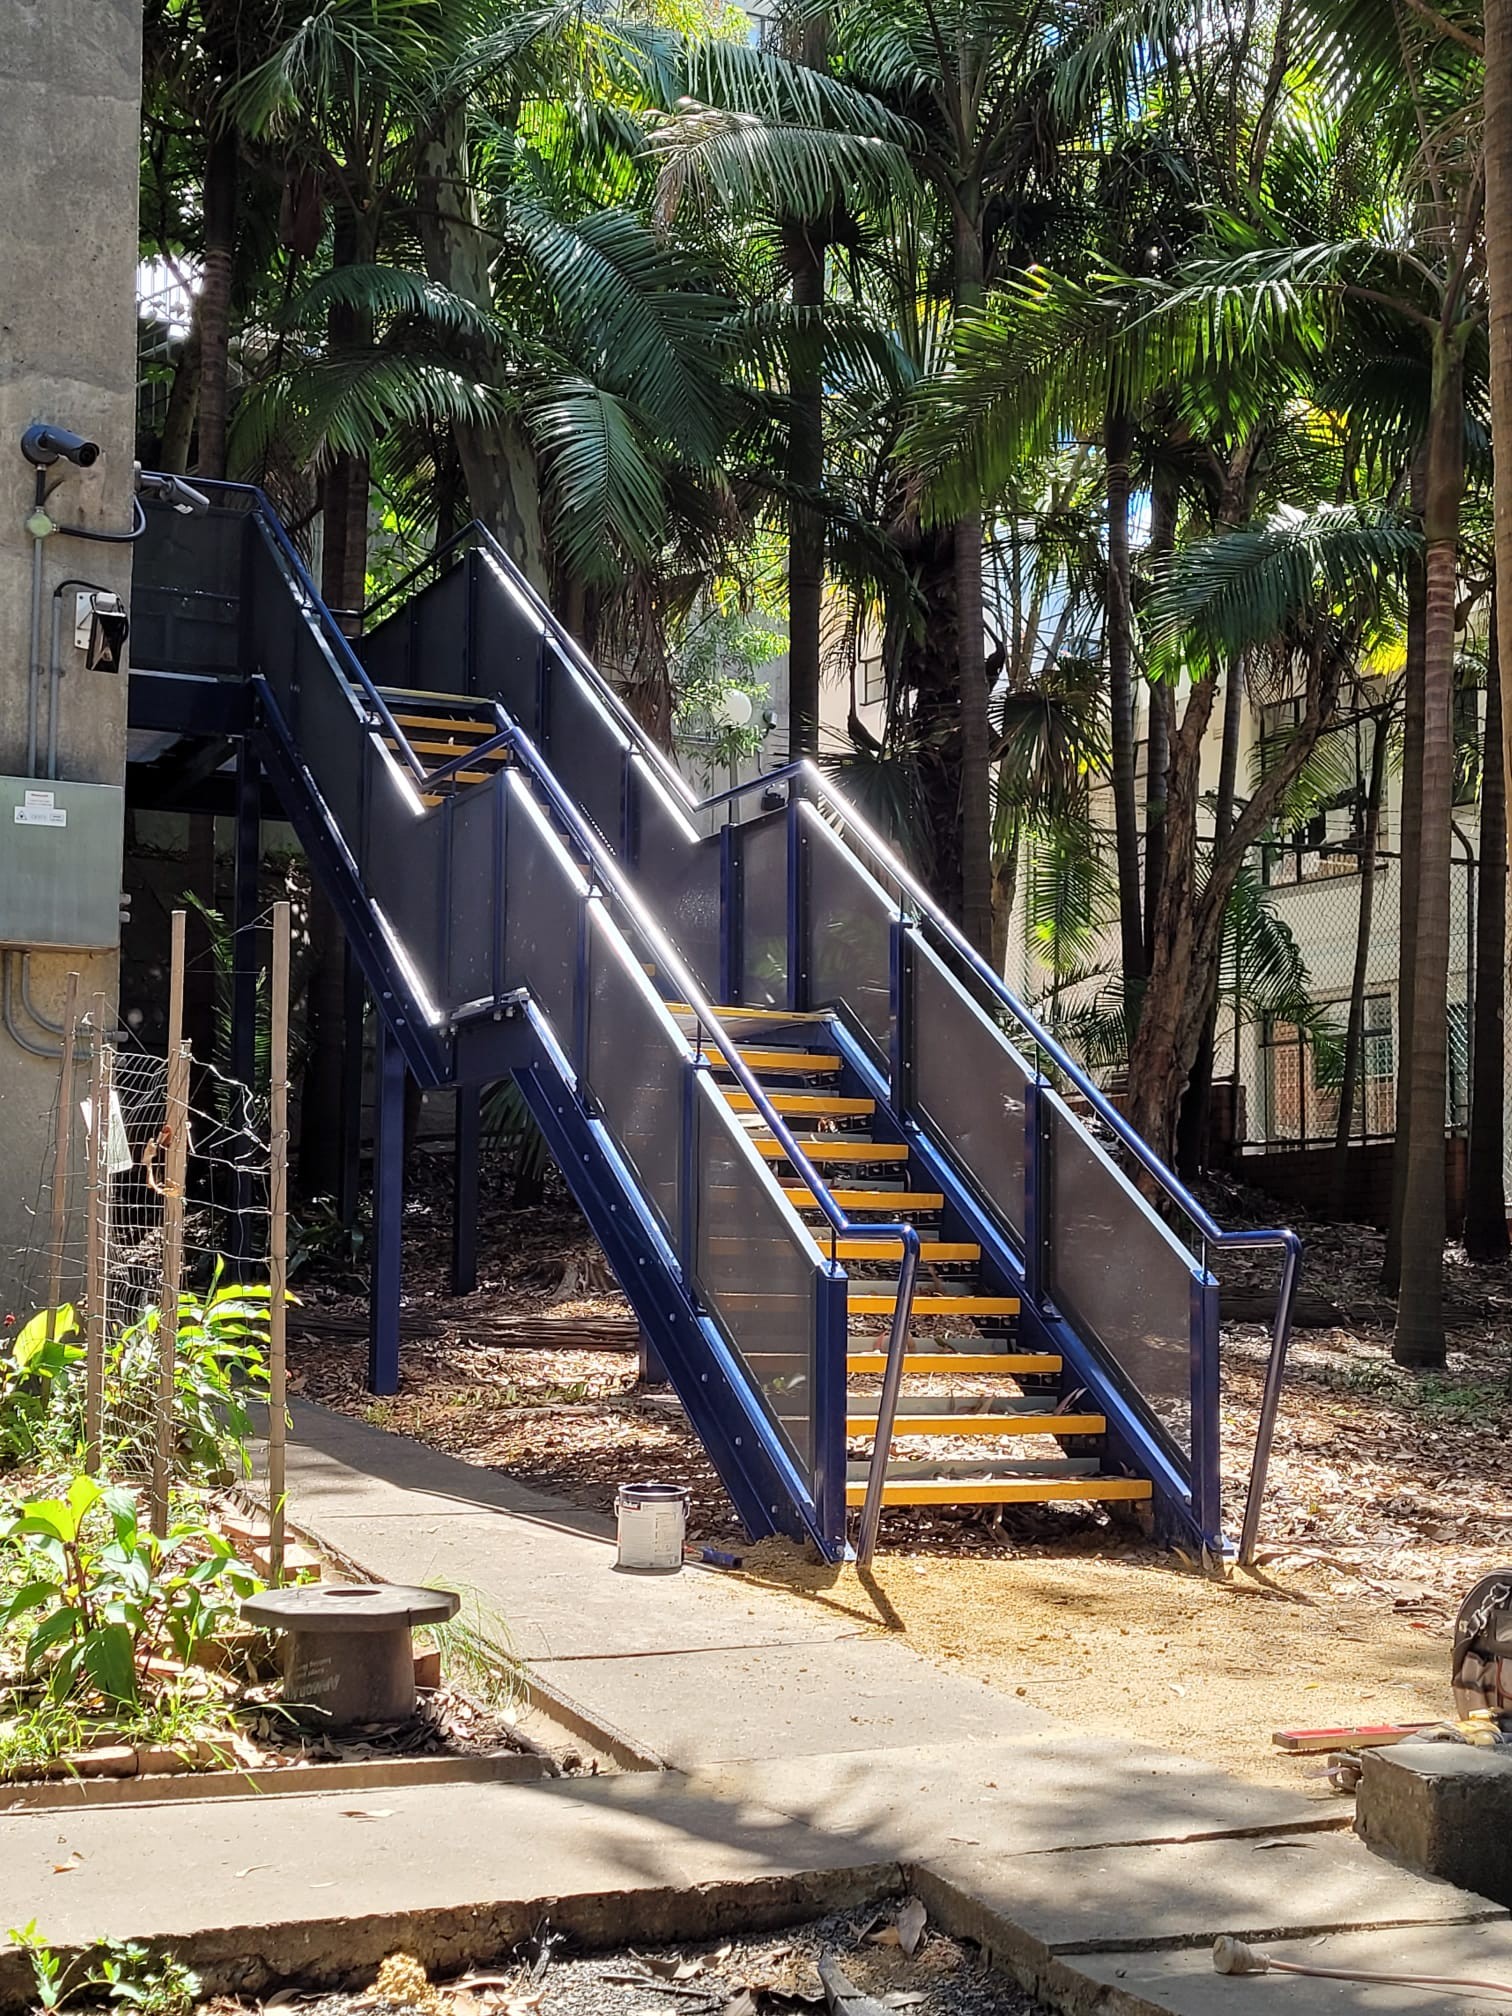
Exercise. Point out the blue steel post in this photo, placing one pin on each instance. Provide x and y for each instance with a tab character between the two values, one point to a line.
687	1217
797	905
729	914
353	1010
500	789
582	1004
831	1343
388	1216
1207	1502
466	1136
470	561
901	1014
1036	1213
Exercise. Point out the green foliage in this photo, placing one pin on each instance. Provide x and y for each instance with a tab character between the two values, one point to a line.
220	1370
99	1594
33	1366
121	1972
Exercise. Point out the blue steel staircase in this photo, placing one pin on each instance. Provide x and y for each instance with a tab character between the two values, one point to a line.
827	1152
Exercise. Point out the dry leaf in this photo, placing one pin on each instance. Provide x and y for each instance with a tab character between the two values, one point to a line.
670	1967
903	1998
888	1936
912	1919
367	1812
743	2004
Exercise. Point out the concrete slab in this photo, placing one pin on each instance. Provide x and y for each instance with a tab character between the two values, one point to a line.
1038	1792
1188	1893
325	1886
1443	1808
695	1667
1184	1983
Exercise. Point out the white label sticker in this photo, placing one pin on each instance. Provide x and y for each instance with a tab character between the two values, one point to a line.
40	801
40	815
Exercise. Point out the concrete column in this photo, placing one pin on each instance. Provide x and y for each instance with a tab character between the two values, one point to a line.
69	106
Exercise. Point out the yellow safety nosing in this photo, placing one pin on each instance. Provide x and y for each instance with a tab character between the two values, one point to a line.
966	1364
864	1304
892	1249
1002	1490
822	1105
902	1202
825	1149
982	1424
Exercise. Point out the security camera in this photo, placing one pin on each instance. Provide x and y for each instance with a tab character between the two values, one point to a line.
43	445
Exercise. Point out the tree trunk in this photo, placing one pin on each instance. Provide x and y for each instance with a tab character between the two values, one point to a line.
503	483
1419	1335
1354	1034
1196	1105
1170	1020
1412	827
1118	437
183	404
1485	1190
213	307
1164	502
805	458
1498	240
971	635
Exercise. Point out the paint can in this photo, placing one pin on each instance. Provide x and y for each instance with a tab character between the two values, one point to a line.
653	1523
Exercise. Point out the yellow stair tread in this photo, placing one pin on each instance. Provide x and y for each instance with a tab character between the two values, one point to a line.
1001	1490
900	1202
778	1061
863	1303
825	1148
756	1014
967	1364
892	1249
476	731
981	1424
822	1105
429	748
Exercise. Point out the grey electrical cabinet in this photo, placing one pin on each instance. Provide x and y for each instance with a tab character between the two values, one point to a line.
60	864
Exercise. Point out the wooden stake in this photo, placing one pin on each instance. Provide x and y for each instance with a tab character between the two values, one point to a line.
174	1162
278	1239
98	1238
62	1149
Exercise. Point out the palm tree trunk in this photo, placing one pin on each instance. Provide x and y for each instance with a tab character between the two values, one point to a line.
183	403
805	457
213	308
1419	1335
1164	501
1118	438
1354	1034
1485	1190
1407	894
503	483
971	634
1498	242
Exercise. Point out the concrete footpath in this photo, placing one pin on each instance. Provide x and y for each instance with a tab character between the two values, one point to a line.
804	1766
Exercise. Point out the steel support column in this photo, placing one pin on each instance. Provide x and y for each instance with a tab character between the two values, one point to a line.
388	1216
466	1137
245	961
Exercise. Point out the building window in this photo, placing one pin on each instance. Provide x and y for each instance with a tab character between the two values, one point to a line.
873	681
1303	1072
1329	843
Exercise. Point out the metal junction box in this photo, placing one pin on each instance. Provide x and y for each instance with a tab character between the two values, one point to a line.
60	864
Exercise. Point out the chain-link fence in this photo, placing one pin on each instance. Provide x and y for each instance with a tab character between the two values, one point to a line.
149	1199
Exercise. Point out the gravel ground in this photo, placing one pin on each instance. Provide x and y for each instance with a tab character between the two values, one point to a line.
760	1976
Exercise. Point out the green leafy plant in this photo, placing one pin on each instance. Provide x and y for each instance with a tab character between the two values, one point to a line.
129	1975
220	1370
30	1369
108	1595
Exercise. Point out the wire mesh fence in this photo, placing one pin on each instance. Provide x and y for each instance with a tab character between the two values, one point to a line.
153	1197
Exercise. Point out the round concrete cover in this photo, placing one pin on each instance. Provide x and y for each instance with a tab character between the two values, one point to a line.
356	1606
